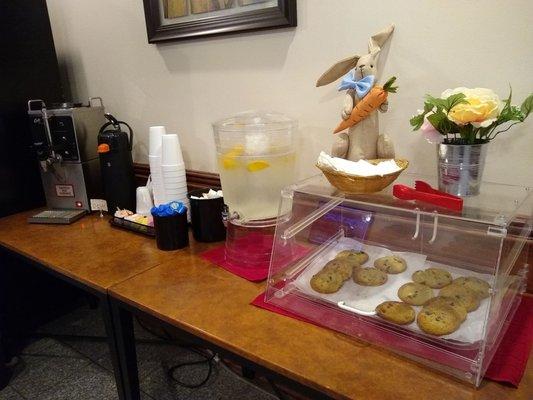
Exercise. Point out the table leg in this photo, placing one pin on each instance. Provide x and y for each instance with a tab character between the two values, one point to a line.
111	341
125	348
5	373
122	314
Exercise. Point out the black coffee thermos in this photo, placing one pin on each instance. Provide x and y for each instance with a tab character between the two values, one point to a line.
116	165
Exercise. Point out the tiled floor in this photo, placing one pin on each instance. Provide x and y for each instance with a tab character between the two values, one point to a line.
74	369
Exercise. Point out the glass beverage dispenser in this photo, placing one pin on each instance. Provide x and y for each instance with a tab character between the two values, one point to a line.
256	160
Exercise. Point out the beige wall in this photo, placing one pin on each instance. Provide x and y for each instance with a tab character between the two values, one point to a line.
186	85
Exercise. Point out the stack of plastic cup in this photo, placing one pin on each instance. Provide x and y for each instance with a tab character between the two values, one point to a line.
173	170
154	158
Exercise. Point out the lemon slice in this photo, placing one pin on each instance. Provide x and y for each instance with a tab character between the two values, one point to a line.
258	165
229	163
229	159
235	151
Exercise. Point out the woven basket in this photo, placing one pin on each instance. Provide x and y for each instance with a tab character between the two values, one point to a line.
355	184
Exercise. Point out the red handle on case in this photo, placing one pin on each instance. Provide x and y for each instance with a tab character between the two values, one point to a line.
447	201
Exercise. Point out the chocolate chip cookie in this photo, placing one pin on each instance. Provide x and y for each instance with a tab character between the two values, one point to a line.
327	282
435	278
342	266
357	256
369	276
391	264
438	321
479	286
465	296
414	293
396	312
457	306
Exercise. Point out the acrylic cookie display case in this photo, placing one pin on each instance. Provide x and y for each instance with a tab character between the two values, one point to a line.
488	239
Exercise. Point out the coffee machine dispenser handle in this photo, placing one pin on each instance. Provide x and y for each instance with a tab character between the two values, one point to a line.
116	124
48	133
50	157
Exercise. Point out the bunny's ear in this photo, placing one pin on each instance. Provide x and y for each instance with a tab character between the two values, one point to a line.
337	70
377	41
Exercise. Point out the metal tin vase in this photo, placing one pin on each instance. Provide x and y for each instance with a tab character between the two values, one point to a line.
460	168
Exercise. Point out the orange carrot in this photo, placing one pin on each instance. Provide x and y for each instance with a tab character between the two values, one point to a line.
374	98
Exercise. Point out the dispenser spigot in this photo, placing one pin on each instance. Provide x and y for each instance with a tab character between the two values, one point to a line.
49	162
228	216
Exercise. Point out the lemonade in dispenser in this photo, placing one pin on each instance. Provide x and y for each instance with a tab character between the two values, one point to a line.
256	159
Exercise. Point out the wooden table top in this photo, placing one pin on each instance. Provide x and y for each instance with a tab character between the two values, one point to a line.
209	302
205	300
89	250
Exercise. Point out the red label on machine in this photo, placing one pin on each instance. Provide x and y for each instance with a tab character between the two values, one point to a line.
65	190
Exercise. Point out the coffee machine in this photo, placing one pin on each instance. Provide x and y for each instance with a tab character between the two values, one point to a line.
64	139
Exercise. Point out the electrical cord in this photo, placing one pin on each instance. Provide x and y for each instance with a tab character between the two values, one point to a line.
166	337
172	370
209	358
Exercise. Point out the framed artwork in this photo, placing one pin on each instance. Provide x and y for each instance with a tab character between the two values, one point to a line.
187	19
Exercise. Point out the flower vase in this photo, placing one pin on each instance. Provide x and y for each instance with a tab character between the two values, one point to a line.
460	168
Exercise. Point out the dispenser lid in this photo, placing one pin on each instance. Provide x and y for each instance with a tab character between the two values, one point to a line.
256	121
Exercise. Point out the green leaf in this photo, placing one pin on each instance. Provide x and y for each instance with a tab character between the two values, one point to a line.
435	102
448	103
427	107
453	100
507	101
527	106
510	113
484	133
388	85
516	114
417	121
441	123
438	119
449	126
468	133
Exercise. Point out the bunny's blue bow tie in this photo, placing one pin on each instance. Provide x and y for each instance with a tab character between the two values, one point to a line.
362	86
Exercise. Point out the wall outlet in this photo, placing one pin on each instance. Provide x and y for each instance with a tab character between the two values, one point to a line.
98	205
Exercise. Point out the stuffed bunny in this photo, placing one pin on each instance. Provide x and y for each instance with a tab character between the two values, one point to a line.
363	140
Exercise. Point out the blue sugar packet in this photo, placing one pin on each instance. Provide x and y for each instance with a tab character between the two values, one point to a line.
178	206
169	209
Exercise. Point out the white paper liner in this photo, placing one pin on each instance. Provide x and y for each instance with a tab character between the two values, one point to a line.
367	298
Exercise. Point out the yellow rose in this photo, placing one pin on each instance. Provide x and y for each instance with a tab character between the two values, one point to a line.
482	109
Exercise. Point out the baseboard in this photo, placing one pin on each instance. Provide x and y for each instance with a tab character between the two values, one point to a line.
195	179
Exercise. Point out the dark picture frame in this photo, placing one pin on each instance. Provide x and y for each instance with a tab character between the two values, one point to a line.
281	16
